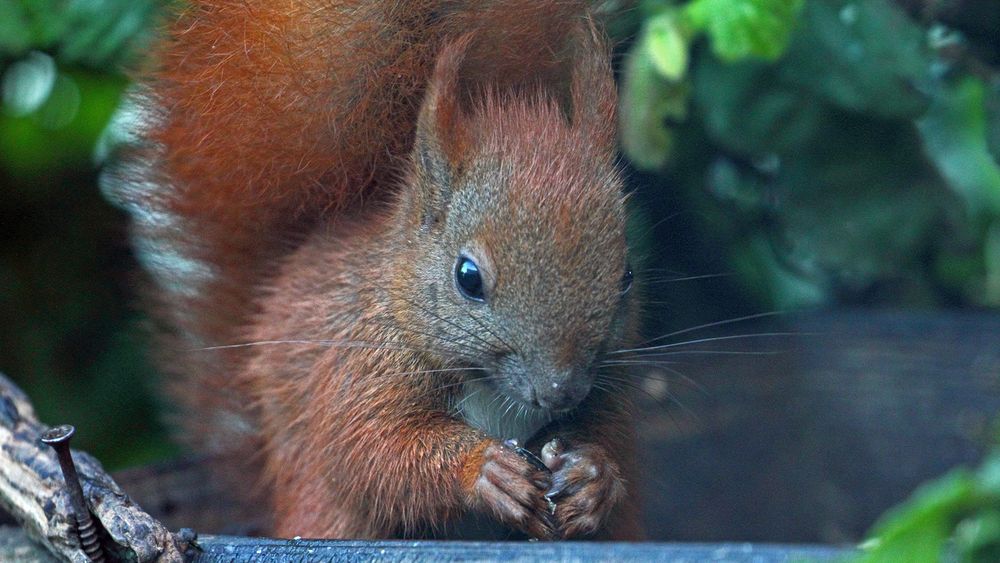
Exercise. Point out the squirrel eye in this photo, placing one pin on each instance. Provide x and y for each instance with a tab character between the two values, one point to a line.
468	279
627	280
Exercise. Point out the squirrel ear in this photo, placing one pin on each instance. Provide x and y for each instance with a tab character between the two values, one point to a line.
592	89
442	137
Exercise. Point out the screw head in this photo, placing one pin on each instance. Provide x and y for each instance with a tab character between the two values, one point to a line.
58	434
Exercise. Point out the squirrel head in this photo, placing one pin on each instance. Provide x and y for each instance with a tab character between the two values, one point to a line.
514	218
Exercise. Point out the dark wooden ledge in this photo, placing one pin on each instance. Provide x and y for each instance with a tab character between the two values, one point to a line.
238	549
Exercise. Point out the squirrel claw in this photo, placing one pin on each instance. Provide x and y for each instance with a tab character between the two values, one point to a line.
586	482
513	489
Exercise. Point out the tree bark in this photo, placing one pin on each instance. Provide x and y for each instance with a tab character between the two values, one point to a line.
33	491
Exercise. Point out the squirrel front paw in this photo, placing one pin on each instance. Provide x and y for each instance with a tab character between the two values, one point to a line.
586	486
514	489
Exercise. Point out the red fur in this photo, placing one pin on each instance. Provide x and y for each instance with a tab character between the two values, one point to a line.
274	114
281	136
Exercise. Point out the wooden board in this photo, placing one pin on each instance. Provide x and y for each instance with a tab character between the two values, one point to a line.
234	550
813	443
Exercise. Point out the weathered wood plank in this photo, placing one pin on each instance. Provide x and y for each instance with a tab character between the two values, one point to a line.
15	545
32	489
235	550
814	442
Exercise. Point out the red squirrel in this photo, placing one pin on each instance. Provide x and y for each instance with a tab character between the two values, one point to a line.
389	237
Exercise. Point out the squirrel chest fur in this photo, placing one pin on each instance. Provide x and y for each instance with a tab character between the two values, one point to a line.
395	261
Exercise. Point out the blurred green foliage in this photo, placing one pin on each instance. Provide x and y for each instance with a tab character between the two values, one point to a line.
67	330
839	151
96	34
956	517
62	64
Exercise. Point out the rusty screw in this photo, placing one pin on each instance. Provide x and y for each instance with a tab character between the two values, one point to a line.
59	437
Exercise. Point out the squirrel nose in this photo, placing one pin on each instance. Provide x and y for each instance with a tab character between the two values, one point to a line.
562	389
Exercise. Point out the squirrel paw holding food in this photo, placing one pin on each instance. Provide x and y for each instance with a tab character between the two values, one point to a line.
587	486
513	489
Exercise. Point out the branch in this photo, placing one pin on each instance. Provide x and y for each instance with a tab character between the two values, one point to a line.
32	489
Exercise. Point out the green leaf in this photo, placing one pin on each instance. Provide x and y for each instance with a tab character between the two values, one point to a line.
993	119
961	505
744	28
96	33
988	475
977	538
917	530
991	282
866	56
850	202
15	37
756	262
746	109
667	45
648	101
954	132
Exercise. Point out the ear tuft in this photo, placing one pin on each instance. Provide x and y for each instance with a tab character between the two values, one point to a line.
592	89
442	137
442	124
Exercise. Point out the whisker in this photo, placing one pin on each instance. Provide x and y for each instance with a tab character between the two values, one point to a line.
711	339
485	327
452	323
496	397
458	405
686	278
464	381
447	337
603	386
637	362
683	377
426	371
716	323
328	343
658	400
455	384
645	356
667	270
650	229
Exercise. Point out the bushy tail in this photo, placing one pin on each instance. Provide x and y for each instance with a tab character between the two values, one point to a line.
261	118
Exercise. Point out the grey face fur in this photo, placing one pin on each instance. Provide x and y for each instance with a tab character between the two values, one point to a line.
552	257
522	181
